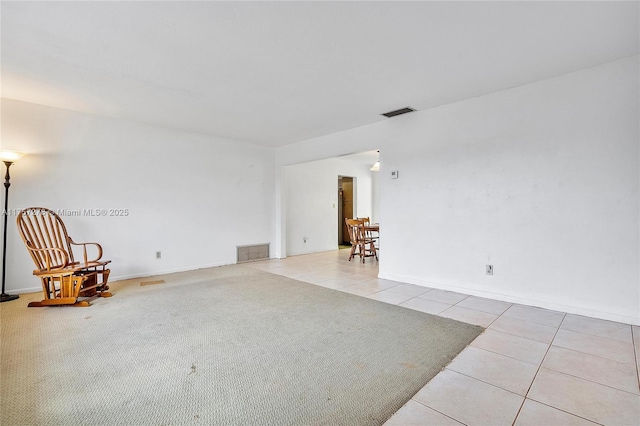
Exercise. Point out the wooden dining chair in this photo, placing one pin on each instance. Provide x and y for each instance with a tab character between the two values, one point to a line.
65	280
368	232
361	245
352	225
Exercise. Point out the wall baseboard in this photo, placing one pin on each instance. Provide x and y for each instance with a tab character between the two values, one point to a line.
570	309
322	250
26	290
114	278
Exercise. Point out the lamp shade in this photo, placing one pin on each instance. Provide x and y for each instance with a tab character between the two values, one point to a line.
376	167
10	156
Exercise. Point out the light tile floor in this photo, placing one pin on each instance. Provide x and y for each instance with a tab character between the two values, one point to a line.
531	366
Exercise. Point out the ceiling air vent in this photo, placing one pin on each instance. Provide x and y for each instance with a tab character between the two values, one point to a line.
398	112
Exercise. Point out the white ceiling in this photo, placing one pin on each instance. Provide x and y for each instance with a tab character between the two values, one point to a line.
275	73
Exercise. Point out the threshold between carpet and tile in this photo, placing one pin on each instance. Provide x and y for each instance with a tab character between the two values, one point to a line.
531	366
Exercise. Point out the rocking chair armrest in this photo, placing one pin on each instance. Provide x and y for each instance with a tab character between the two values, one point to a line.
84	250
47	253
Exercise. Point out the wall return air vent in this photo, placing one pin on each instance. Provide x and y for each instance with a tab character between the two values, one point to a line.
398	112
252	252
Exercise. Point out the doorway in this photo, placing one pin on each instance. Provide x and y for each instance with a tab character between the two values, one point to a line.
345	207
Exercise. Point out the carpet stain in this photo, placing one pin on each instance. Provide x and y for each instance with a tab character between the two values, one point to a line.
360	365
193	369
152	282
409	365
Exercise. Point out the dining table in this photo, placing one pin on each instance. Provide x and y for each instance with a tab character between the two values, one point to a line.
372	230
371	227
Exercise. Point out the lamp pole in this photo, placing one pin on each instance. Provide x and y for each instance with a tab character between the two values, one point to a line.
6	297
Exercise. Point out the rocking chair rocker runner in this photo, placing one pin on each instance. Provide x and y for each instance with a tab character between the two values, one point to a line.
64	280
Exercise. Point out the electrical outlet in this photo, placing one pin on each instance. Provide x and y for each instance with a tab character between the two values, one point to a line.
489	269
158	255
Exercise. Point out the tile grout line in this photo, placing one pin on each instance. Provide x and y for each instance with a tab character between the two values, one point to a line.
506	356
496	319
635	353
538	371
595	335
564	411
593	355
534	322
517	335
486	383
570	375
595	383
431	408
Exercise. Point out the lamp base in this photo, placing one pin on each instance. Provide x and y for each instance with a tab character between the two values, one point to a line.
7	297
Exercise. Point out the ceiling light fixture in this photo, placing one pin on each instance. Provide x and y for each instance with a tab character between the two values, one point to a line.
376	166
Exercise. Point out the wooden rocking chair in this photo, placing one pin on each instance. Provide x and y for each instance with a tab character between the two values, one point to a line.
64	280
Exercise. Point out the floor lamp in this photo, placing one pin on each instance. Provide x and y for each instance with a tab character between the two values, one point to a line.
8	157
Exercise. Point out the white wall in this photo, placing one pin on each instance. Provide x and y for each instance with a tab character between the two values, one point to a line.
190	196
541	180
312	202
375	197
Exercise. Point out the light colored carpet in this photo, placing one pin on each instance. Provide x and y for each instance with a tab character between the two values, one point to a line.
229	345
